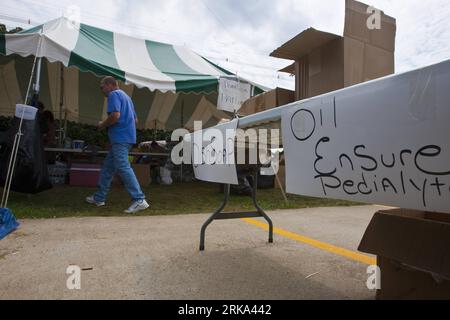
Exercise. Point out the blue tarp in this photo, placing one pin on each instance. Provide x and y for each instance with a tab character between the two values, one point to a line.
7	222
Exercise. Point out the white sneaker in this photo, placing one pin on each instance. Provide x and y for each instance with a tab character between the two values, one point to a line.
136	206
91	200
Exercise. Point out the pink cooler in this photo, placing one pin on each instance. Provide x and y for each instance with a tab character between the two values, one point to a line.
84	175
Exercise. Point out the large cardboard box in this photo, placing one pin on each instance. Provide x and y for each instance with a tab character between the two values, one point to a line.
354	71
368	54
325	62
413	253
268	100
356	18
142	172
402	282
326	68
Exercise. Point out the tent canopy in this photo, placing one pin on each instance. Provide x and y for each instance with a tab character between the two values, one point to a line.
75	95
171	86
144	63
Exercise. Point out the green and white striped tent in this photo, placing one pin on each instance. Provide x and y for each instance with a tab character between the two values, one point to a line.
171	86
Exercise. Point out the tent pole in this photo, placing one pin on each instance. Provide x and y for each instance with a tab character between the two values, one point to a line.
65	126
31	80
182	113
61	102
38	76
182	126
36	86
19	134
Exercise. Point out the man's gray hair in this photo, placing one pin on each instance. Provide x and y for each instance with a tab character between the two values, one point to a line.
109	80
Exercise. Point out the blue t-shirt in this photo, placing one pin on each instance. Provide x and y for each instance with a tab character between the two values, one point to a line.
124	130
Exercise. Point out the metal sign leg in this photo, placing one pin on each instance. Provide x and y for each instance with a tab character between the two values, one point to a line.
214	216
219	215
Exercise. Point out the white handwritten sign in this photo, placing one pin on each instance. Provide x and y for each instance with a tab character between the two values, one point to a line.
232	94
384	142
212	152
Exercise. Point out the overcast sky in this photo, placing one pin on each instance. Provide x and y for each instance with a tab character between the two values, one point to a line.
240	34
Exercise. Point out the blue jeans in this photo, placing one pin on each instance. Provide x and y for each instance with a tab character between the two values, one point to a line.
117	162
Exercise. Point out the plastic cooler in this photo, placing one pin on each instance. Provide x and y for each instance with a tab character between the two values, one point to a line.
84	175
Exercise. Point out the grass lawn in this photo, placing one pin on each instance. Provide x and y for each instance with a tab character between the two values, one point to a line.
179	198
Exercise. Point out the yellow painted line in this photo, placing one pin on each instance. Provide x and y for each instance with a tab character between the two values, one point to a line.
315	243
385	207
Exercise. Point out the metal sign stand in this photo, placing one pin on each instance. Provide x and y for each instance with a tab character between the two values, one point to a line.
219	215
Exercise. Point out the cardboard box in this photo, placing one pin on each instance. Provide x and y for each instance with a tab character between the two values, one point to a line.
401	282
377	62
354	51
142	172
413	253
326	68
326	62
356	26
369	54
268	100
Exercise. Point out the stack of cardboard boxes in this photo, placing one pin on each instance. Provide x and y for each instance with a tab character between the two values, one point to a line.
326	62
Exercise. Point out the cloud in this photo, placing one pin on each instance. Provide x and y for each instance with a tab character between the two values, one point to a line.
245	32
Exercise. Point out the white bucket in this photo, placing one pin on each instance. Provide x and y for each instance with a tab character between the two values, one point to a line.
28	112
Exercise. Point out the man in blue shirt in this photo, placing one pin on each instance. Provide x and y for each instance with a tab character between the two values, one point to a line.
121	125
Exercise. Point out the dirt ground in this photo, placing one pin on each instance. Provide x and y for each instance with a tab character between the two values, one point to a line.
157	257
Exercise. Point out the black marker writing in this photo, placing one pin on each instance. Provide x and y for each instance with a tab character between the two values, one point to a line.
396	180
